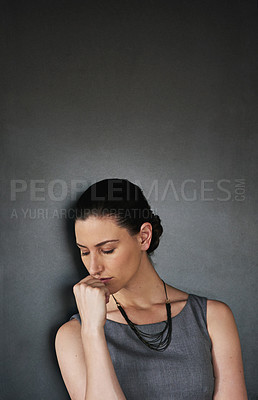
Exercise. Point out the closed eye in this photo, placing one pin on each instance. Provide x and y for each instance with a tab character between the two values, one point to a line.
103	251
108	251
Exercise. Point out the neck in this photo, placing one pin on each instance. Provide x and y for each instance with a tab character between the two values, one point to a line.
144	290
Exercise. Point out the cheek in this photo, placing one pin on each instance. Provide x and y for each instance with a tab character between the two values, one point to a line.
132	258
124	260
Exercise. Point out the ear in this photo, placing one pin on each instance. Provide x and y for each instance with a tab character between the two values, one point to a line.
145	235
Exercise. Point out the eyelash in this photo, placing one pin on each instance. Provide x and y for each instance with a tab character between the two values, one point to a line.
103	251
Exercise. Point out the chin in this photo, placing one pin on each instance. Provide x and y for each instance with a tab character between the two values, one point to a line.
114	288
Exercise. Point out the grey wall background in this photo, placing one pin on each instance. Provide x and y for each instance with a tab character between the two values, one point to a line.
158	92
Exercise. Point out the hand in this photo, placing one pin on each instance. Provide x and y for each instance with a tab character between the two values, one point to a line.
91	297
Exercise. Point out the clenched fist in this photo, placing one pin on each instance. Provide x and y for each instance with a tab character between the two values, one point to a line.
91	297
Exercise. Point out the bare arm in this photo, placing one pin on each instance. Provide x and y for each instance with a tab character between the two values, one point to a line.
101	376
70	356
73	347
226	353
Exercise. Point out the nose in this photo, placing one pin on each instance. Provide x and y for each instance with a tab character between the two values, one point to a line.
94	266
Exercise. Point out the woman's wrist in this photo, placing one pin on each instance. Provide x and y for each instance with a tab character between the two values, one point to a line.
91	331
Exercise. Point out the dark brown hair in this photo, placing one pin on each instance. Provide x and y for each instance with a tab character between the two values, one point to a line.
122	200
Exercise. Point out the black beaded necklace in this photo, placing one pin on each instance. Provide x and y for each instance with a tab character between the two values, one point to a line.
156	341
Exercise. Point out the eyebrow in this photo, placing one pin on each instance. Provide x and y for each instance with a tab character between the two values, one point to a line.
101	243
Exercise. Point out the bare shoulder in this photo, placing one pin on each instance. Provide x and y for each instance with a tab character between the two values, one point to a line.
70	356
220	317
221	324
68	339
69	327
217	310
226	352
215	305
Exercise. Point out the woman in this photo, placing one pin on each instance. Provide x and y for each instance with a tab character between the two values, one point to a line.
136	337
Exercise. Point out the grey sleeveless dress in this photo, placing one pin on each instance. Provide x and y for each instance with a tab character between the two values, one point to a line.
184	371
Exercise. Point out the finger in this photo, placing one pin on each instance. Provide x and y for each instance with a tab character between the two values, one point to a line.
97	284
88	278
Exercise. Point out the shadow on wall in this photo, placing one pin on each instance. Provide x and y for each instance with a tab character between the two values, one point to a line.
65	295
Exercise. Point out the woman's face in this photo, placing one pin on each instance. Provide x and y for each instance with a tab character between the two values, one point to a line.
108	251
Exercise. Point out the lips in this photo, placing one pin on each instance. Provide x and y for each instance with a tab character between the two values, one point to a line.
105	279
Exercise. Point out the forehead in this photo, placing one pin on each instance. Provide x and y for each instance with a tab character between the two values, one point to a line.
96	228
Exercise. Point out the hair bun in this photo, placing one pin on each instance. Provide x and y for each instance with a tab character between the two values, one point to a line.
157	231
